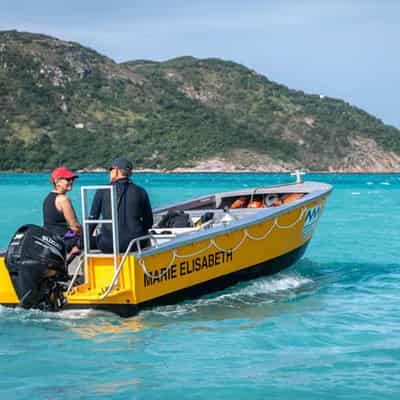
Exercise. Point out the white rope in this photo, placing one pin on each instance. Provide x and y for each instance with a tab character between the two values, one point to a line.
212	242
159	276
197	253
261	237
233	248
292	224
174	256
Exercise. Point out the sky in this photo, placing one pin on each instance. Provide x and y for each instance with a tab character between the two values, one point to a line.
347	49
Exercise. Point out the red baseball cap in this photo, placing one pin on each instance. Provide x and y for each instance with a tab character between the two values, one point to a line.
62	172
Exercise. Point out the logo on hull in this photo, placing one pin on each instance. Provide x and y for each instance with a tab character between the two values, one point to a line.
311	219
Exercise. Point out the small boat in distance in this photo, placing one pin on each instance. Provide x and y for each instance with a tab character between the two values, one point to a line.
195	247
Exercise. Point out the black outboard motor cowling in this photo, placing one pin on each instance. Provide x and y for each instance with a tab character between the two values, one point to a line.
32	253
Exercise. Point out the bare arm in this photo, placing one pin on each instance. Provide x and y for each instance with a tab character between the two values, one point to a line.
64	205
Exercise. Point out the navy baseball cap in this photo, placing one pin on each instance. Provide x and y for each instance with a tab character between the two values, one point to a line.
121	163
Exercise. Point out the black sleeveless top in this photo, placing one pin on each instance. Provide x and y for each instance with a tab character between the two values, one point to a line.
53	220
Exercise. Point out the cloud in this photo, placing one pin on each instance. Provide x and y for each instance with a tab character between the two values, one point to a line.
337	48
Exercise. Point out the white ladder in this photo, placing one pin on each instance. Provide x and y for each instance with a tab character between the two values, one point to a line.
86	221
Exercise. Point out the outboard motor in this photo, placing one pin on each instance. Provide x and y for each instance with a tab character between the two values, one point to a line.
36	261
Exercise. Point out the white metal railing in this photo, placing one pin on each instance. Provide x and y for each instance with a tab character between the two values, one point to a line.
75	274
137	241
86	222
121	264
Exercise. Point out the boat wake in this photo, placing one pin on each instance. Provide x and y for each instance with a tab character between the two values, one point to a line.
262	292
282	284
33	316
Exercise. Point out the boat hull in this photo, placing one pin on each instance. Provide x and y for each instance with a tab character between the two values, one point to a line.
265	268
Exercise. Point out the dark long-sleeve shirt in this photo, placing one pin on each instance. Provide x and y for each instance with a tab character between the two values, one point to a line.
135	216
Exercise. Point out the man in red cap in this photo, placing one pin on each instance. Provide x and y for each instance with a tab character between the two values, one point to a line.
59	216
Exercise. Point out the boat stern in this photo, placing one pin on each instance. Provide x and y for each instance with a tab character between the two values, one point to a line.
8	295
98	288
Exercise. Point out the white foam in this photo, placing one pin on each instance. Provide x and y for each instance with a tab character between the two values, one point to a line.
80	314
268	288
25	315
276	284
33	315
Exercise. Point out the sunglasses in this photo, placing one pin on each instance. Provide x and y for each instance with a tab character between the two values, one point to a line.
68	179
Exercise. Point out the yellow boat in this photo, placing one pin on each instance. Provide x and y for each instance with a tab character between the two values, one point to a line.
226	238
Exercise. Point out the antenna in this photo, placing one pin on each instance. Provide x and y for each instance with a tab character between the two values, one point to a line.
298	175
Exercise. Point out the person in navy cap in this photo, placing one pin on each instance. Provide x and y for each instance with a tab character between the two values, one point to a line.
135	216
59	216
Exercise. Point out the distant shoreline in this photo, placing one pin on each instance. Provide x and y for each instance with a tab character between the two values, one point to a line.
195	172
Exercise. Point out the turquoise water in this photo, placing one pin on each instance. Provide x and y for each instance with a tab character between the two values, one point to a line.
327	328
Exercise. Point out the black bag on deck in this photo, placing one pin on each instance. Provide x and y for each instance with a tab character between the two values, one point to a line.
175	219
32	252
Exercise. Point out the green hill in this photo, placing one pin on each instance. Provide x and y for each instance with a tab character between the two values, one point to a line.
62	103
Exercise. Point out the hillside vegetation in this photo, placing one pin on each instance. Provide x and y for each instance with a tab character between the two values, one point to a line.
62	103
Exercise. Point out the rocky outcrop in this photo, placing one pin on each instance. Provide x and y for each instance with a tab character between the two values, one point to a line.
365	155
